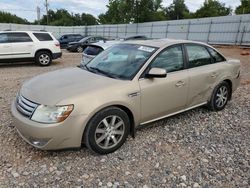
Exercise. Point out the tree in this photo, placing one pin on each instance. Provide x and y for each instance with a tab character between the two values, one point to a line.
62	17
244	8
177	10
6	17
213	8
131	11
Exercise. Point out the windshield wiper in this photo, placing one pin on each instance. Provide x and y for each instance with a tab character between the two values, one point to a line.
103	72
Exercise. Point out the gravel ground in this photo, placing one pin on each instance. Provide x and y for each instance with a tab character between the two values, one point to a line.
198	148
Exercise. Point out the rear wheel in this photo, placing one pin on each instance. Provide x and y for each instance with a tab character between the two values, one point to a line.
107	130
43	58
220	96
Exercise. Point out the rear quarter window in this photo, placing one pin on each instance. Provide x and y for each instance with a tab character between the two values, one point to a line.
43	36
93	50
216	56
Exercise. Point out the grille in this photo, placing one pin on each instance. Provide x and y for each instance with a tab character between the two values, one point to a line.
25	106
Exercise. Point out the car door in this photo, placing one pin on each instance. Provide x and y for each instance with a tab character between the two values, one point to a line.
203	71
22	45
163	96
5	46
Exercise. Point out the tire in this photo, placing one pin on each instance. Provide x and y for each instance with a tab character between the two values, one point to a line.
79	49
43	58
100	134
220	97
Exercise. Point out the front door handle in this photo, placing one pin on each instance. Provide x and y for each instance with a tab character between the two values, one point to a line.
180	83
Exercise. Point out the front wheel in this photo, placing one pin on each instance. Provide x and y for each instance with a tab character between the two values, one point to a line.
79	49
220	96
107	130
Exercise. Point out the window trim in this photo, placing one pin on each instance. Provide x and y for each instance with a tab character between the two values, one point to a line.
162	51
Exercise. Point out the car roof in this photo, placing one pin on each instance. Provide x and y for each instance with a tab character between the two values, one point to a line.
104	44
160	43
33	31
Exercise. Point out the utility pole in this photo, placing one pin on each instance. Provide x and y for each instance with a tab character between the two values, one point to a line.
47	10
38	14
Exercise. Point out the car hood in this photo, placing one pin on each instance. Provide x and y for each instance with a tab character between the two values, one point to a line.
53	87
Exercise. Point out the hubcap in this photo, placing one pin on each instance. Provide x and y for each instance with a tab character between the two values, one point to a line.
221	96
44	59
109	132
79	49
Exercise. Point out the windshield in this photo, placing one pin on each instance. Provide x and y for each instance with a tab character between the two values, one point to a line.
84	39
121	61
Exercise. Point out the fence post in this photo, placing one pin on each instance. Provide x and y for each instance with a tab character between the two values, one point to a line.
188	29
126	27
109	31
103	29
137	28
166	34
117	30
237	35
242	36
151	32
209	30
86	30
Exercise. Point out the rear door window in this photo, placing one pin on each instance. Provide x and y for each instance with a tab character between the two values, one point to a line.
197	55
19	37
43	36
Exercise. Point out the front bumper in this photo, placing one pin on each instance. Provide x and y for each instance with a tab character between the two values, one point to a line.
67	134
56	55
71	48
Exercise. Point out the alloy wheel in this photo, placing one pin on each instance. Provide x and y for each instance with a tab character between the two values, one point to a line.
221	96
109	132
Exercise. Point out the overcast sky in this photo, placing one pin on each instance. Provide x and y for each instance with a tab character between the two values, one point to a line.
27	8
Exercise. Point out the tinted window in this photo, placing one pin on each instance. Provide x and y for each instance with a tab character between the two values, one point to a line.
198	56
3	38
43	36
92	50
216	56
19	37
170	59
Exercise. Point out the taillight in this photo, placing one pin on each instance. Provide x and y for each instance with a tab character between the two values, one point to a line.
57	44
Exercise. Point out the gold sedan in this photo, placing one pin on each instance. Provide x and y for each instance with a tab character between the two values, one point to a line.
129	84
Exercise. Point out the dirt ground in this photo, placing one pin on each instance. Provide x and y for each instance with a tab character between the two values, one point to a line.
198	148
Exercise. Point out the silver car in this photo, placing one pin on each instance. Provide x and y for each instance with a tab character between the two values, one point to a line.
129	84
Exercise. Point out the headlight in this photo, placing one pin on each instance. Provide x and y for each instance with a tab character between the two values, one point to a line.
51	114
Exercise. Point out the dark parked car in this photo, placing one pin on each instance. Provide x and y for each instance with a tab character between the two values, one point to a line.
65	39
81	44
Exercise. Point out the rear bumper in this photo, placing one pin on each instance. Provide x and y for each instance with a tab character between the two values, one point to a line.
56	55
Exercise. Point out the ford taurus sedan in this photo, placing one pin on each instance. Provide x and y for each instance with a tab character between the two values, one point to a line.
129	84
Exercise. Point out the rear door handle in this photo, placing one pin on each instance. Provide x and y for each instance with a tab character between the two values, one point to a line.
180	83
6	46
214	75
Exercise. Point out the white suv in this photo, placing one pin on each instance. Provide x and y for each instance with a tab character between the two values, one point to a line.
39	46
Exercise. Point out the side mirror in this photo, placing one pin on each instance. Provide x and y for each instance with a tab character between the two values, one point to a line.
156	73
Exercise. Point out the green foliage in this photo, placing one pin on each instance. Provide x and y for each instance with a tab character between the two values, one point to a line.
212	8
177	10
244	8
62	17
6	17
132	11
